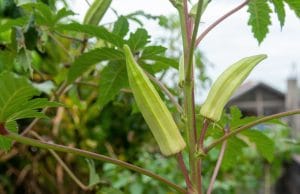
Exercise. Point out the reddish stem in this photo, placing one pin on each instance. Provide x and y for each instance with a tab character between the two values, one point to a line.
184	172
217	22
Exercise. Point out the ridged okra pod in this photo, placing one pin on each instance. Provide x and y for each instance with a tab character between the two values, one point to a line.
226	84
96	11
154	111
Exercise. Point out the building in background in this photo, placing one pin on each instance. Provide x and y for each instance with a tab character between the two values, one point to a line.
258	99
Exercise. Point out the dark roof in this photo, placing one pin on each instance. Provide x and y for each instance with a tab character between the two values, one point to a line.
250	86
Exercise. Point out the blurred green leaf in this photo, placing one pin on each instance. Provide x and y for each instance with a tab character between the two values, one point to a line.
16	102
237	119
121	27
264	144
113	78
150	51
233	151
138	39
84	61
96	31
94	178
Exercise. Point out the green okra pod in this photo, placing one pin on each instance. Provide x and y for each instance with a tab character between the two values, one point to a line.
226	84
96	11
154	111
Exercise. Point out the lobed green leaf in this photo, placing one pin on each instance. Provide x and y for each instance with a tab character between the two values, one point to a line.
259	18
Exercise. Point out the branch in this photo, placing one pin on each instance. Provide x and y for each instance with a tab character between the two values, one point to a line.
184	171
217	22
189	69
249	125
68	37
217	167
87	154
203	132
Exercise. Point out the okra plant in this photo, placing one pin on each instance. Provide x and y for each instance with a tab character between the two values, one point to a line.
86	67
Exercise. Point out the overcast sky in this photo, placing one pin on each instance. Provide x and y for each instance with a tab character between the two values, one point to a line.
230	41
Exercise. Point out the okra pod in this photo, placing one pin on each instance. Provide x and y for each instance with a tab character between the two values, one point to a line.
154	111
96	11
226	84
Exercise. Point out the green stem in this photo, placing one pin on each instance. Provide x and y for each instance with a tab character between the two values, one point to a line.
195	163
249	125
87	154
189	69
184	34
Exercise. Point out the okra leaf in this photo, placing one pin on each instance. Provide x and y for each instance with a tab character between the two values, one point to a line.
9	23
86	60
264	145
43	13
95	31
259	18
138	39
237	119
113	78
294	5
150	51
16	99
16	103
154	60
62	13
279	10
121	27
232	153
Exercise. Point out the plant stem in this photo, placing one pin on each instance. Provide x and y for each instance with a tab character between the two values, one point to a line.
195	164
217	168
218	21
67	37
184	34
203	133
87	154
184	172
249	125
189	69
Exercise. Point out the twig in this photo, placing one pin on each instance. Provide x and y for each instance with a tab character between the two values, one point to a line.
68	37
91	84
217	22
62	163
166	91
87	2
249	125
189	69
187	22
60	44
184	172
87	154
203	133
217	167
